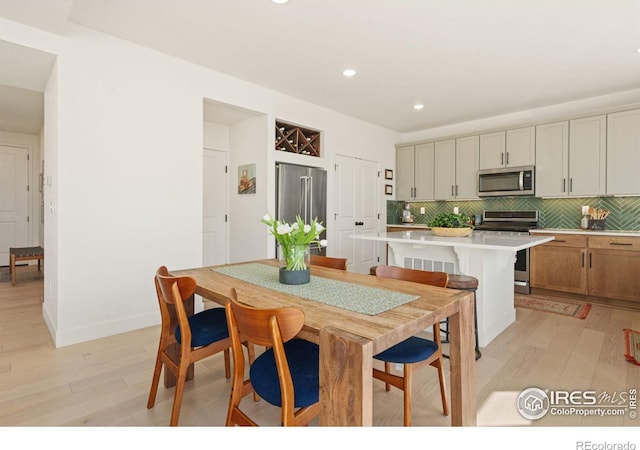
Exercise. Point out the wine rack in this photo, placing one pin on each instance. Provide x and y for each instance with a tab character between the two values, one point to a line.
294	139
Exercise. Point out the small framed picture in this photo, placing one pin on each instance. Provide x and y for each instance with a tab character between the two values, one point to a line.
388	189
388	174
247	179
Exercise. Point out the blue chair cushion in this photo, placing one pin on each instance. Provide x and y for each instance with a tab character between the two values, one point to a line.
207	326
409	351
304	364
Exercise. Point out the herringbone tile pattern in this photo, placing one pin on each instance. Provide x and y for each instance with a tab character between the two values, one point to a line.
554	212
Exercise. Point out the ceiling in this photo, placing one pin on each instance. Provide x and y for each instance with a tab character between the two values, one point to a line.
462	59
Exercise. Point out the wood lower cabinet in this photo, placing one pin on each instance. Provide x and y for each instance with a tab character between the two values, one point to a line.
559	269
614	268
560	265
600	266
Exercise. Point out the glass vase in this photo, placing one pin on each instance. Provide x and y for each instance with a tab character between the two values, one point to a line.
294	264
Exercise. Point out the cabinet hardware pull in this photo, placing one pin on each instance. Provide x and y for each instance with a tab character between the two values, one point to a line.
570	184
564	185
452	194
558	240
501	159
590	259
582	259
620	243
507	157
456	190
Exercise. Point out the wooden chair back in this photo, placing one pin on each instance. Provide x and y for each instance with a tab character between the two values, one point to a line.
328	261
270	328
176	305
172	293
265	326
439	279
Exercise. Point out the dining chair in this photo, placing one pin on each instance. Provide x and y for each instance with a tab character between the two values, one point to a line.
415	351
285	375
328	261
196	336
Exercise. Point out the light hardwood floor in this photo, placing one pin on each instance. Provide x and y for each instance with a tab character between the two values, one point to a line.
106	382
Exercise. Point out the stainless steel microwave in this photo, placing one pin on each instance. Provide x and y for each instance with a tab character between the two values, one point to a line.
506	181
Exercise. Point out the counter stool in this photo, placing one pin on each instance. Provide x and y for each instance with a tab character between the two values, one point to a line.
463	283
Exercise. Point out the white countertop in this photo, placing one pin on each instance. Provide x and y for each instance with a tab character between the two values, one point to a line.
490	240
587	232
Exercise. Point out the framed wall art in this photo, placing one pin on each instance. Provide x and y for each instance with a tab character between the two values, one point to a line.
388	189
388	174
247	179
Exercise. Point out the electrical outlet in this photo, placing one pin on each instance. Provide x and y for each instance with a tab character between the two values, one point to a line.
422	211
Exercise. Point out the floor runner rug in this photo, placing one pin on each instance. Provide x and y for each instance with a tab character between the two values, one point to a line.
632	342
553	305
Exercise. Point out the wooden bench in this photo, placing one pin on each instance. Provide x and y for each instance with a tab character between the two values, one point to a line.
23	254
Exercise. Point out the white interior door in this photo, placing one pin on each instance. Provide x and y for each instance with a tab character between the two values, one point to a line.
356	211
14	200
214	211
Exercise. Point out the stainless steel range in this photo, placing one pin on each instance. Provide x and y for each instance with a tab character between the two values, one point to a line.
513	222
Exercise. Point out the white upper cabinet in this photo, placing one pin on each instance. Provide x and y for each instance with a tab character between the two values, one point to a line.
414	172
570	158
587	156
511	148
623	153
445	169
521	147
467	163
492	150
552	159
404	172
456	168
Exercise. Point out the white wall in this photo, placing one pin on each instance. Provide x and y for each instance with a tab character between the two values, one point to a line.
51	306
247	236
215	136
125	159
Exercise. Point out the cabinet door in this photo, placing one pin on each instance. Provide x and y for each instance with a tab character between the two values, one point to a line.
467	163
520	147
404	172
587	156
423	172
614	274
559	268
445	170
552	159
492	147
623	152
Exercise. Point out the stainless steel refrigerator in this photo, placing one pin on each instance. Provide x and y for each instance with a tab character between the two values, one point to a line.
301	191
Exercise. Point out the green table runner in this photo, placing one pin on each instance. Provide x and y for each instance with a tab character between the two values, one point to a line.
349	296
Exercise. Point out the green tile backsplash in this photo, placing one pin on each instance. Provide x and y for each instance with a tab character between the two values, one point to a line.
554	213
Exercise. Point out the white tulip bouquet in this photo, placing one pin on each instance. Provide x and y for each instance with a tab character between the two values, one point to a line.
295	238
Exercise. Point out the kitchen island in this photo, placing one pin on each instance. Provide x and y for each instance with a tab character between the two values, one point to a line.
488	256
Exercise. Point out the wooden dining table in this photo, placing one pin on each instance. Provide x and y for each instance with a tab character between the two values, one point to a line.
348	340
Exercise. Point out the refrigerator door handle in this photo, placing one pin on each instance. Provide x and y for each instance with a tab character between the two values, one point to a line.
305	191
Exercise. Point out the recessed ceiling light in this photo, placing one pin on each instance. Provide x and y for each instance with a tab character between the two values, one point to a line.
279	2
349	73
638	50
418	106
